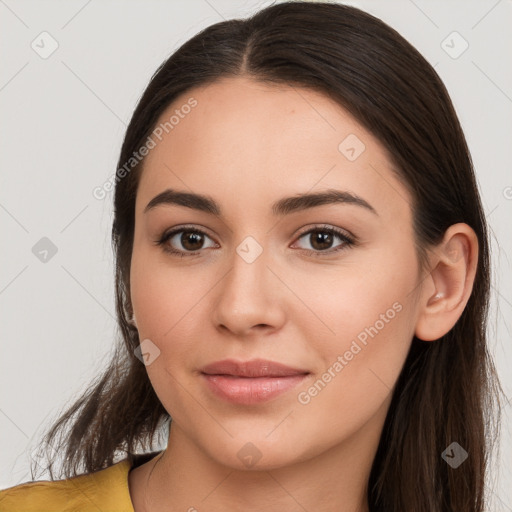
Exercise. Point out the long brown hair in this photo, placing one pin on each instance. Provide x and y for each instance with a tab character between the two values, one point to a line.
448	390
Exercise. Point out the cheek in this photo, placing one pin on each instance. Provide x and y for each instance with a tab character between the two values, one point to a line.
364	301
164	303
370	316
163	298
170	305
360	368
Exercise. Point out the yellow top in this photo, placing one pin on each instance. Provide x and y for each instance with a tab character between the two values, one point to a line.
103	491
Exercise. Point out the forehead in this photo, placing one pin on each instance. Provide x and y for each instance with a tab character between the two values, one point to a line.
249	143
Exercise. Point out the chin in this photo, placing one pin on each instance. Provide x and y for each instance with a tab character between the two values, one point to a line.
256	451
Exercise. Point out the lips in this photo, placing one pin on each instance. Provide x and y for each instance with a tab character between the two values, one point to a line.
251	369
250	382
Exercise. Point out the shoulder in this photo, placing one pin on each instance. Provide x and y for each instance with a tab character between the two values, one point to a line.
105	490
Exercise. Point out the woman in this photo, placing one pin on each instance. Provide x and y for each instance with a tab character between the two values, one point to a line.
302	277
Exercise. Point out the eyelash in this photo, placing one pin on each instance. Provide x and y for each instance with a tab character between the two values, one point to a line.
348	240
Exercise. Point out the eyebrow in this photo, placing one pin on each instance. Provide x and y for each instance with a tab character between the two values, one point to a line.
281	207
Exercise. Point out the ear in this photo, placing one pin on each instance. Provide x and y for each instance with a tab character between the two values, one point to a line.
447	288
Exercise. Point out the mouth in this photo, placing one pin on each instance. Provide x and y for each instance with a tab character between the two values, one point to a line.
251	382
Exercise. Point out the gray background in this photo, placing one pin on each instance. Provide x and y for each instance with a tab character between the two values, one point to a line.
64	117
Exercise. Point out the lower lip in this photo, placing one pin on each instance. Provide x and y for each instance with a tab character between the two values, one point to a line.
246	391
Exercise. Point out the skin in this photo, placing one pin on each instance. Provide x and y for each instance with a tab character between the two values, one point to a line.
246	145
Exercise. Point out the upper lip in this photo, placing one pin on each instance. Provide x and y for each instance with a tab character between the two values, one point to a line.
253	368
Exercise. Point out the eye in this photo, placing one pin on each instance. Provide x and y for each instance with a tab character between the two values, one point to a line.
191	239
322	237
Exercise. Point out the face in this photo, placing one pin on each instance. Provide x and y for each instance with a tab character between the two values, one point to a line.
324	287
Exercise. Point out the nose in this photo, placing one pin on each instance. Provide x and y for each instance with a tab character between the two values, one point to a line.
250	298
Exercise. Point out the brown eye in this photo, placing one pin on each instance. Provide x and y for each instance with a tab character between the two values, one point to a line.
183	242
191	240
321	239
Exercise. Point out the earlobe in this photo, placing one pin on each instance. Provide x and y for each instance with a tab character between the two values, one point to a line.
133	321
448	286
